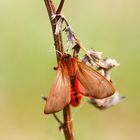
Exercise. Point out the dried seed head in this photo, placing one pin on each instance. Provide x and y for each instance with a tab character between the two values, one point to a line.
58	26
105	103
70	38
53	16
76	50
109	63
105	65
95	55
60	19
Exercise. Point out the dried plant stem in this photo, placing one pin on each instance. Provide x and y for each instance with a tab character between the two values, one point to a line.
67	123
67	126
60	7
58	120
57	38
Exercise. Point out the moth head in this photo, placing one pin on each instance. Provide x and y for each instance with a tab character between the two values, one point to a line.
65	57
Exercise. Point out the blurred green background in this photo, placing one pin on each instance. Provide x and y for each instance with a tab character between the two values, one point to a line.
26	68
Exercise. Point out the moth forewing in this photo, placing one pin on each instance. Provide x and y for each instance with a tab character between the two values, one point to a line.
95	84
59	95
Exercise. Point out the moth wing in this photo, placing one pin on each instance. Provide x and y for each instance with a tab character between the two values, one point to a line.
80	87
95	84
60	93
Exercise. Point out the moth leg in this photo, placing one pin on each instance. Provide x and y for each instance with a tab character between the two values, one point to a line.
44	98
55	68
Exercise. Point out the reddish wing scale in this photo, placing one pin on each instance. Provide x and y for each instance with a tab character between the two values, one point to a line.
60	93
95	84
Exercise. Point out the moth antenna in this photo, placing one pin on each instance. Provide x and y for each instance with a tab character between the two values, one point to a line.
59	52
56	51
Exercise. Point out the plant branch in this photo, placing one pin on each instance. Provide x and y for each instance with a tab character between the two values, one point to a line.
57	37
60	7
67	125
57	119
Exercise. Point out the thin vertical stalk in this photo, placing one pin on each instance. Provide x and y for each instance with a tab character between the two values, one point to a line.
57	38
67	126
60	6
67	123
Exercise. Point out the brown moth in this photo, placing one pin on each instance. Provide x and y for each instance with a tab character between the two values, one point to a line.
74	79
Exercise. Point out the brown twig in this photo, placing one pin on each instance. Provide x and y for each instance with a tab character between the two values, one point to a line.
60	7
57	38
67	123
58	120
67	126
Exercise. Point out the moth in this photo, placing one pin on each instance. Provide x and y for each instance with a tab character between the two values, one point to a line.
75	79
